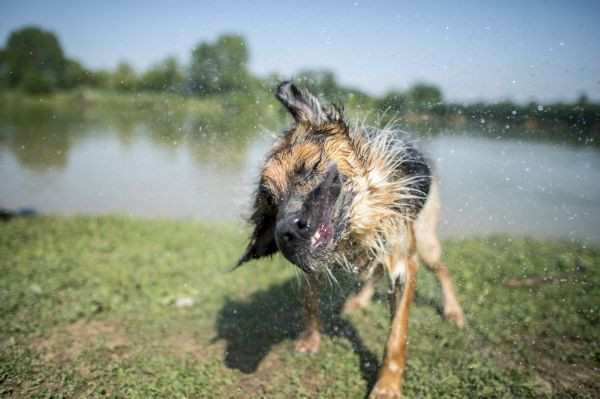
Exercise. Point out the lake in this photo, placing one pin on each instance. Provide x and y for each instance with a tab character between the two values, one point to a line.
70	162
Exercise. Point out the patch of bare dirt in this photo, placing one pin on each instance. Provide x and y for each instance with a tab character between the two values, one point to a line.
273	373
567	379
69	342
185	344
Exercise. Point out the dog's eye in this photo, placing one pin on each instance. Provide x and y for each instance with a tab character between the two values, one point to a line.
306	171
270	199
301	170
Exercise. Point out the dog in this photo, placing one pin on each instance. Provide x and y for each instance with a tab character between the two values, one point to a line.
362	198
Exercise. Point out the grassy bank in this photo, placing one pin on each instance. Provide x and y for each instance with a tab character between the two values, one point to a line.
94	104
89	308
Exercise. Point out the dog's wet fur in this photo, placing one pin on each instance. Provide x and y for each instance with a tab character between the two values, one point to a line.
352	196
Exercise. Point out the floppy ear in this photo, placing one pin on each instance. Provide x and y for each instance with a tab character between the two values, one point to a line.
304	106
262	243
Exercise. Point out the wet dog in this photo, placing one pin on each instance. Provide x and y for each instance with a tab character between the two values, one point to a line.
361	198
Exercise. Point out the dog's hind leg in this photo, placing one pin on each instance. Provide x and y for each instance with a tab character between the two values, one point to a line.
430	250
310	337
452	309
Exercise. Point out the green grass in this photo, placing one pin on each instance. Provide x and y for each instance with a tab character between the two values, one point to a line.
88	309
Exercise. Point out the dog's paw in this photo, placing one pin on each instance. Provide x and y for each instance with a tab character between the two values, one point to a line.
308	343
455	314
383	390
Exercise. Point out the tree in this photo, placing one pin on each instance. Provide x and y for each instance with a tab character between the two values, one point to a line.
124	78
3	70
583	99
75	75
164	76
38	83
100	78
34	59
319	82
393	101
219	67
423	96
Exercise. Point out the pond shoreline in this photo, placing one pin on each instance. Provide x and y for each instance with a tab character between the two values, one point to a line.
161	156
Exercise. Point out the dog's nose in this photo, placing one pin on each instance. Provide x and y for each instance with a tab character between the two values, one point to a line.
292	229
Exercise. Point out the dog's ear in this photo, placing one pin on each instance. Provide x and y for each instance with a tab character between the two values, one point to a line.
262	243
304	106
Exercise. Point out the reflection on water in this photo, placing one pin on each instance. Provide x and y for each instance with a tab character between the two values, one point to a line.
180	164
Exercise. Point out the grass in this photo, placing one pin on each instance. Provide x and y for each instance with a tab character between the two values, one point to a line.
88	309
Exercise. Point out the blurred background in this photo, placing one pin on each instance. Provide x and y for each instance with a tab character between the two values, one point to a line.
166	108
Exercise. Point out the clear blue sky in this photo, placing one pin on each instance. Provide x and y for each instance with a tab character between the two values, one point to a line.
520	50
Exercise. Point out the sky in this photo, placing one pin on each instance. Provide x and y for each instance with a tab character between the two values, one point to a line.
473	50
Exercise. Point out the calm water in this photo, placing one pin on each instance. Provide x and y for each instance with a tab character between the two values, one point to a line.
75	164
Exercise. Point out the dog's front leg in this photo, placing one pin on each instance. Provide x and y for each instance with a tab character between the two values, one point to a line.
310	337
389	380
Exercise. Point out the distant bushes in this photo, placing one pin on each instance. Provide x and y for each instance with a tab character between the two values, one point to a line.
38	83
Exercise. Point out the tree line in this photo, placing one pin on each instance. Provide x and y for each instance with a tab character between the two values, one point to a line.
33	61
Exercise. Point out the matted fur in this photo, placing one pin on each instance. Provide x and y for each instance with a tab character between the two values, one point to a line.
358	196
370	158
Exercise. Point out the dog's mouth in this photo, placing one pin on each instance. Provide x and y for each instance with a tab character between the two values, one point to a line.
320	206
305	235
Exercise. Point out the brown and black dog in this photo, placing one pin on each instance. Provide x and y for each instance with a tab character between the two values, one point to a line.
358	197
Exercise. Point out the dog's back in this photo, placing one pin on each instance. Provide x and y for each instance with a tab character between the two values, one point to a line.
412	161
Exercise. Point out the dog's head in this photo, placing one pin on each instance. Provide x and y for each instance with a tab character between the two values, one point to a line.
300	207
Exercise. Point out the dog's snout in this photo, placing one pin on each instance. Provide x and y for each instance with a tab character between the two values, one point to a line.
294	236
292	229
301	224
